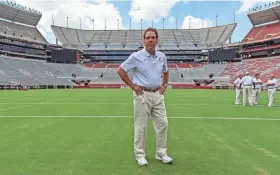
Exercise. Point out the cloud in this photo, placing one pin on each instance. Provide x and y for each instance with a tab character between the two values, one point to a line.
150	9
196	23
247	4
99	10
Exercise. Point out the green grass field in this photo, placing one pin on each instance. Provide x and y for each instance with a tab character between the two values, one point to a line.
208	134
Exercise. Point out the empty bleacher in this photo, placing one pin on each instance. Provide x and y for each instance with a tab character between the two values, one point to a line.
264	66
202	72
132	39
261	33
190	72
31	72
21	31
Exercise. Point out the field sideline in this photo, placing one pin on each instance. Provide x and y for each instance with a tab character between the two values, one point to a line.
90	131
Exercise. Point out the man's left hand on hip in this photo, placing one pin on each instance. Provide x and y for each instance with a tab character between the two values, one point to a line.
162	89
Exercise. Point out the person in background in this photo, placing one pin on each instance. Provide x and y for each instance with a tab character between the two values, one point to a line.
258	89
271	90
248	86
238	90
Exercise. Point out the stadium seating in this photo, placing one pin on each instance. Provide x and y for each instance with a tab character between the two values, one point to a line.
20	31
170	65
264	66
32	72
203	72
263	32
132	39
179	72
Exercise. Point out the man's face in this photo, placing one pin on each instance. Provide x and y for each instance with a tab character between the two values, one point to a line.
150	40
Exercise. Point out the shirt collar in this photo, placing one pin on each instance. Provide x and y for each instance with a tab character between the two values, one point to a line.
148	54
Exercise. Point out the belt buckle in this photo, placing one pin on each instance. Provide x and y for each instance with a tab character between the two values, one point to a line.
150	90
153	90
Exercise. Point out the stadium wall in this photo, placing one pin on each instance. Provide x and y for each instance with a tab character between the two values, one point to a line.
172	86
105	86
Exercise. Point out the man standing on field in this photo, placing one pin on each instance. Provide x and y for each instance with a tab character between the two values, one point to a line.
238	90
248	87
148	65
271	89
258	90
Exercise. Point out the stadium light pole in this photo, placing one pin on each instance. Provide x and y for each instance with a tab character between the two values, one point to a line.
67	22
176	24
233	17
130	23
152	23
80	23
190	23
216	20
105	23
93	23
118	24
52	19
163	23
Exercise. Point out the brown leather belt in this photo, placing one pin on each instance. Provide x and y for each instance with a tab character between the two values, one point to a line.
149	89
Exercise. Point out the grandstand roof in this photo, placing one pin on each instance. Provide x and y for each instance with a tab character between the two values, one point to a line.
18	13
264	15
132	39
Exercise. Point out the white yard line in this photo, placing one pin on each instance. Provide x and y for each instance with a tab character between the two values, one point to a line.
182	117
15	107
120	103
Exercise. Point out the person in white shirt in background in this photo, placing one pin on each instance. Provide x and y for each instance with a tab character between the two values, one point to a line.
248	85
258	89
271	90
238	90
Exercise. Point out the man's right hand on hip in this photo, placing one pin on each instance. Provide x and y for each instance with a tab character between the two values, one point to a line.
138	90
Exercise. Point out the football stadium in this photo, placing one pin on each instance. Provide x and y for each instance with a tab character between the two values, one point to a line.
66	110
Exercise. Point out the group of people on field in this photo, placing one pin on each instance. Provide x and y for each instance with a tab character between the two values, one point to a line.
251	87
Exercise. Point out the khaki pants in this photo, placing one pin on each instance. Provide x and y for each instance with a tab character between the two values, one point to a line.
248	91
257	93
238	93
150	104
271	94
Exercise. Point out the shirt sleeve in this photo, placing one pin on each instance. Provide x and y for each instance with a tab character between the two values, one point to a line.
165	66
129	63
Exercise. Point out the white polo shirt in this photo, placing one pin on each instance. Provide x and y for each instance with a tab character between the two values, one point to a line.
147	69
247	80
237	82
272	81
258	86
